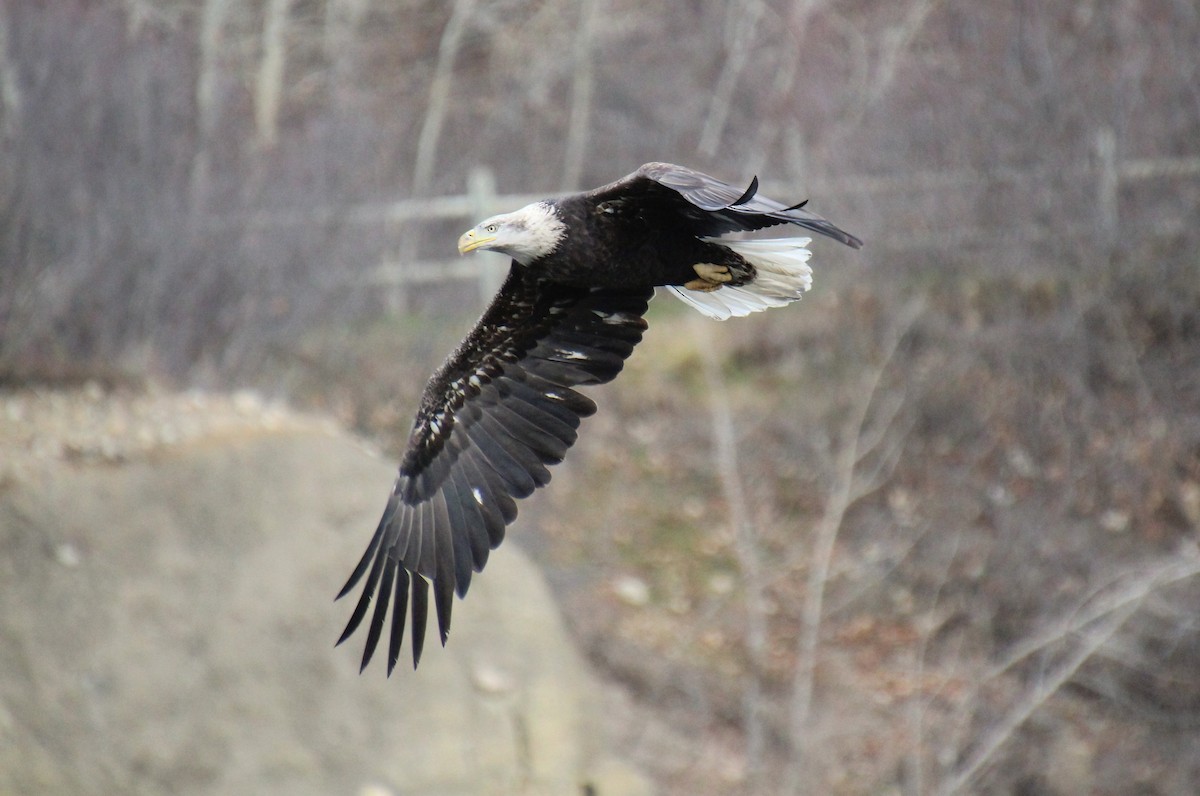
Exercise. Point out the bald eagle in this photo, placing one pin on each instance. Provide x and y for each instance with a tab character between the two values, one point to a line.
504	405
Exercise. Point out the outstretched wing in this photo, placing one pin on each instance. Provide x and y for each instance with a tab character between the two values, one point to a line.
725	208
492	418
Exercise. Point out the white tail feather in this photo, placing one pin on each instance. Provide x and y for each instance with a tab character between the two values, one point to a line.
782	276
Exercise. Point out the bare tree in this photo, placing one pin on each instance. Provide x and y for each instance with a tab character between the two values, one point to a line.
10	92
269	80
212	23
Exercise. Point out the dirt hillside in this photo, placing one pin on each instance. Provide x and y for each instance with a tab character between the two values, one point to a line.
167	575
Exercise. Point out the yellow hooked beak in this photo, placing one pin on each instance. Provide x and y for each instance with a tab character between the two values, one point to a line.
471	240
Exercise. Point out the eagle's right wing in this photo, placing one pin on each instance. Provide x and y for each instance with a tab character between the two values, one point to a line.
491	419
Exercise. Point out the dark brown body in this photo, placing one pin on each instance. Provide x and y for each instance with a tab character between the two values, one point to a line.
640	243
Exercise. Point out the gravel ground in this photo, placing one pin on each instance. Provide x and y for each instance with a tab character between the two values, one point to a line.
95	425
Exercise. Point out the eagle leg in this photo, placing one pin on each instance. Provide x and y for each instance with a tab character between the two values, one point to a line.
713	276
702	285
710	272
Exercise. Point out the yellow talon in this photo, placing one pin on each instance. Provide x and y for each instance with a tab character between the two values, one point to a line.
703	285
713	273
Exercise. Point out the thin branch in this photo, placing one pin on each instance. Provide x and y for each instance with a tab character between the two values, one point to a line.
853	593
1037	696
10	90
885	463
877	433
268	84
212	23
917	770
1092	609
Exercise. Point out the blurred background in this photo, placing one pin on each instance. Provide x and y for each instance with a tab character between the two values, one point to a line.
932	530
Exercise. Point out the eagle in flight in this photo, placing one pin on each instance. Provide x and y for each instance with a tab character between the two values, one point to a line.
505	405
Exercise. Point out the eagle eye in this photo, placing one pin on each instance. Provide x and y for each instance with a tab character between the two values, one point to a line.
491	228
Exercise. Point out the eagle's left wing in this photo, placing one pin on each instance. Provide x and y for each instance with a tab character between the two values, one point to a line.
491	419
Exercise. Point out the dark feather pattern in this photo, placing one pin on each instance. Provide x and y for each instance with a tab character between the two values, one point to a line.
399	612
493	418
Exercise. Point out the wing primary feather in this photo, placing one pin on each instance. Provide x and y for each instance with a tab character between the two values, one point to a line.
550	364
748	195
443	602
495	497
425	526
399	615
381	607
577	347
563	406
549	448
494	516
550	425
465	524
363	562
420	614
478	521
797	206
610	338
443	582
364	600
526	460
408	542
491	456
515	480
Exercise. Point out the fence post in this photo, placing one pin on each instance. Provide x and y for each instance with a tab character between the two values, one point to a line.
481	189
1107	185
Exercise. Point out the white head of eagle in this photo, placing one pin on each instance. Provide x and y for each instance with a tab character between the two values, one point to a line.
524	235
